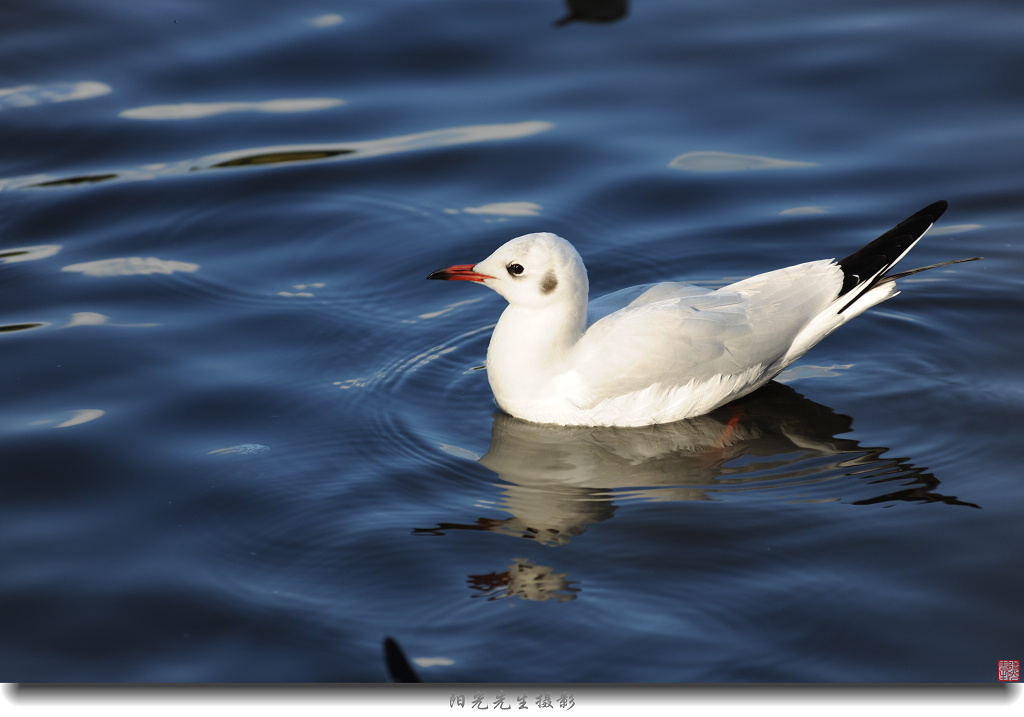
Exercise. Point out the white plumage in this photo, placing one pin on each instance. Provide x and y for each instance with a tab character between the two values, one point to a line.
668	351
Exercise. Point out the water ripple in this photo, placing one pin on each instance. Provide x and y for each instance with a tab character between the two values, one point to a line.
290	154
556	481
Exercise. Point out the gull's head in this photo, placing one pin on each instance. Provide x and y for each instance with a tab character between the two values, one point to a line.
531	271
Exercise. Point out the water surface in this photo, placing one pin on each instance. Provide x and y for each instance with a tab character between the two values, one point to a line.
243	440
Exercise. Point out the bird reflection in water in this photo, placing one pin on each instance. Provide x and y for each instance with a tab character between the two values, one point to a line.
559	480
526	580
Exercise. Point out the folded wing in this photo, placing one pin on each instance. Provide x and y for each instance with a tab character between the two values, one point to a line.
674	334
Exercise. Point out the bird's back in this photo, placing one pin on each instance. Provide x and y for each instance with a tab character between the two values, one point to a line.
674	332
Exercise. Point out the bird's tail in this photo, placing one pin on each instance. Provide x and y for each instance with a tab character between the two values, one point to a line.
867	268
894	277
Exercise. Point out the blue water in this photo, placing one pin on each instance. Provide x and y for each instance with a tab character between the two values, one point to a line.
243	440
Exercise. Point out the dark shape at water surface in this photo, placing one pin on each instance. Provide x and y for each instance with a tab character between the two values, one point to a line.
594	11
280	158
557	480
81	179
399	669
20	327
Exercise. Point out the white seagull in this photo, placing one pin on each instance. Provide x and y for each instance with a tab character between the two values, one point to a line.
663	352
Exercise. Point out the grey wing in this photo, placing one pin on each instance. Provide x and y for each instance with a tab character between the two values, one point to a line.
696	336
638	295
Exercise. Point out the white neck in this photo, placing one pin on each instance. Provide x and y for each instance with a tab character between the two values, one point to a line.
529	348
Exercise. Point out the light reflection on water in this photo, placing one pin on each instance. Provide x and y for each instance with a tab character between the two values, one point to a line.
195	110
33	95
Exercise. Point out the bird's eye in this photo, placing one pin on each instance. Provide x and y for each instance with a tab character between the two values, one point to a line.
515	269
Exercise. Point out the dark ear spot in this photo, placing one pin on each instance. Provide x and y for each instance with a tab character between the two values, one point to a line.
549	284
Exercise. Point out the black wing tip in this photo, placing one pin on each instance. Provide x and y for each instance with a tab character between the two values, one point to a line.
919	222
934	210
870	262
399	669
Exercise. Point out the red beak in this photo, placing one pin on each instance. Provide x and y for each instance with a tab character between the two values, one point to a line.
462	272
